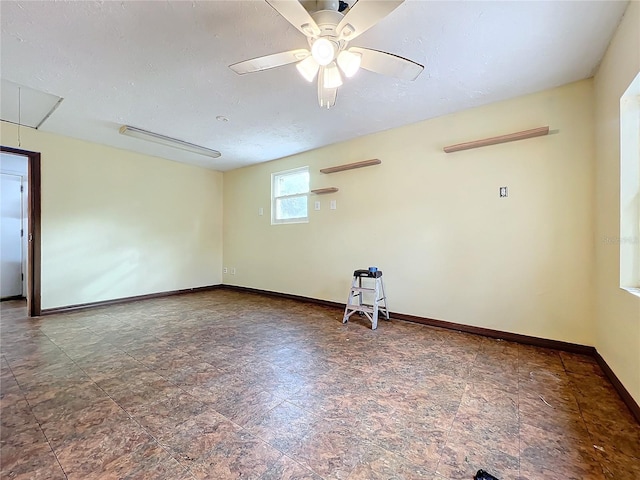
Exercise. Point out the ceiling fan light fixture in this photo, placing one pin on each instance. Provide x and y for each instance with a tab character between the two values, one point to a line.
308	68
349	62
324	51
332	77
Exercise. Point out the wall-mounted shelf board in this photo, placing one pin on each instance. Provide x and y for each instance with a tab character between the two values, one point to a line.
351	166
322	191
511	137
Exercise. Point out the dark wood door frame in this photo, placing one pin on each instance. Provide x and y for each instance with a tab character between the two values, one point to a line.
34	305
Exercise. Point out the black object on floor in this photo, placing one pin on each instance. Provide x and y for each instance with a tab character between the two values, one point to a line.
482	475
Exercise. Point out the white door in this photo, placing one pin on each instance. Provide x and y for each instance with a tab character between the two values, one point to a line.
11	236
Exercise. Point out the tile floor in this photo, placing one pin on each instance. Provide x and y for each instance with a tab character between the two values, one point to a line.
223	385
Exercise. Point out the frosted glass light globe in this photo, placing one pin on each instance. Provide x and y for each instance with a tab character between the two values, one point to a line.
323	51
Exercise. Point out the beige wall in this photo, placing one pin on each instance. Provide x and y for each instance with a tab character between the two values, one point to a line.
449	247
117	224
618	311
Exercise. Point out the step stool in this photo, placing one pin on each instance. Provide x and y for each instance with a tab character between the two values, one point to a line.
355	301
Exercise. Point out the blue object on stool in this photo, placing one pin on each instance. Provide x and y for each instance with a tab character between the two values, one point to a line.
368	273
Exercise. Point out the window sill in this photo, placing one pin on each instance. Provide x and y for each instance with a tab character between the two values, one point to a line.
290	222
632	290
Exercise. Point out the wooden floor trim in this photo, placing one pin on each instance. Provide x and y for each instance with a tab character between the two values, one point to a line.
287	296
620	388
487	332
118	301
14	297
508	336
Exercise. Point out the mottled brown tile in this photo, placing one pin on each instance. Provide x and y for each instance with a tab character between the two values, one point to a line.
135	397
532	358
237	454
560	417
616	436
379	464
91	453
283	425
67	426
501	433
16	418
410	436
25	452
339	399
192	374
192	440
547	455
161	418
495	378
148	461
63	404
616	465
598	400
332	450
40	471
460	461
481	400
580	364
288	469
244	406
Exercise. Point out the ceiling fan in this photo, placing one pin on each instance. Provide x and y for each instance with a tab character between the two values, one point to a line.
328	33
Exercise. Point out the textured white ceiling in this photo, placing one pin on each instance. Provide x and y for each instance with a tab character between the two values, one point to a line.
163	66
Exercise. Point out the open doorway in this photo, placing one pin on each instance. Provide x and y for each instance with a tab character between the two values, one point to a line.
14	223
21	226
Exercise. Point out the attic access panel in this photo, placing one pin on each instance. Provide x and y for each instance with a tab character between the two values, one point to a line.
25	106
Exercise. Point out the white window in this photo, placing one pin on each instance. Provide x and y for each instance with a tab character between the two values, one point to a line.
629	239
289	196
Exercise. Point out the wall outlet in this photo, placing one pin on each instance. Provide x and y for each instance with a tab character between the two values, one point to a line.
316	205
333	205
504	192
261	211
233	270
225	270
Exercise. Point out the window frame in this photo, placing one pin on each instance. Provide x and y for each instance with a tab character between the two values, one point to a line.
629	239
274	178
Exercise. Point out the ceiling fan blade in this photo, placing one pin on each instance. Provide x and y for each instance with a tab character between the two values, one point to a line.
269	61
296	15
388	63
326	96
364	15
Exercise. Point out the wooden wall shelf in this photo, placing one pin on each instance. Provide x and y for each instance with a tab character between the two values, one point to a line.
512	137
322	191
351	166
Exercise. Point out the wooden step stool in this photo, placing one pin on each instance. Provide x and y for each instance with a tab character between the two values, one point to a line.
355	301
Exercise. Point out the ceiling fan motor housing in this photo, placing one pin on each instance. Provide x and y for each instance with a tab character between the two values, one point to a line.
317	5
